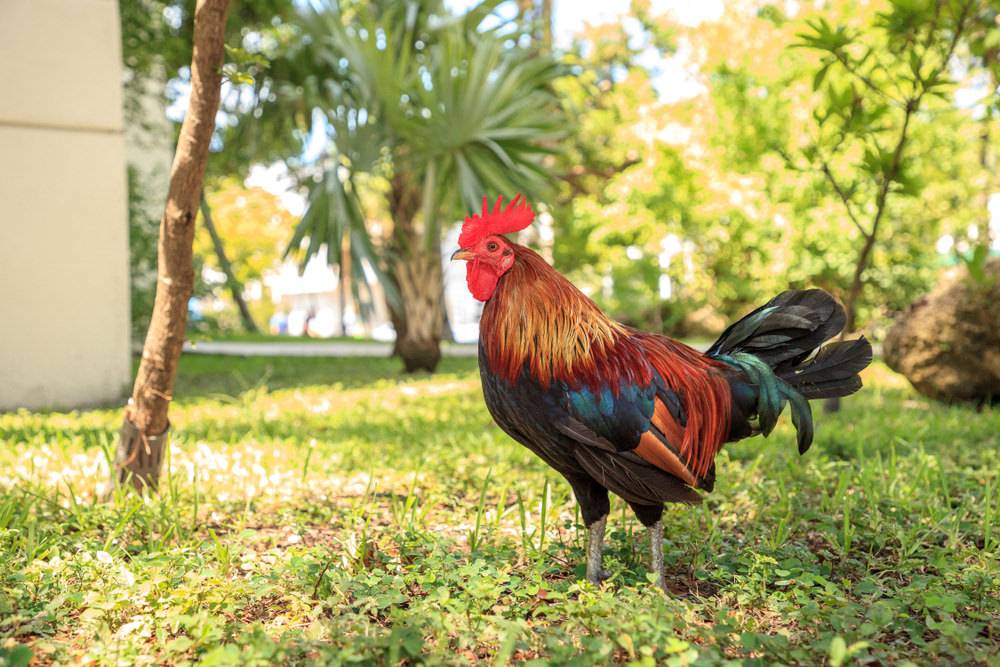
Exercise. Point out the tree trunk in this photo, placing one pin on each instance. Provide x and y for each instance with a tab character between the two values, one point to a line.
417	273
985	236
144	433
546	18
419	278
234	285
851	303
342	300
857	284
398	319
344	286
871	236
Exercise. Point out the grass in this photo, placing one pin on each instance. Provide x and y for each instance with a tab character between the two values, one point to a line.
328	510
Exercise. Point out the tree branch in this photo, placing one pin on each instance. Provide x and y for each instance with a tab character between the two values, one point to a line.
842	59
844	197
575	175
234	285
892	173
841	193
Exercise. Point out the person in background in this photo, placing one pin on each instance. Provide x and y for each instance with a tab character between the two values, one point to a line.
278	324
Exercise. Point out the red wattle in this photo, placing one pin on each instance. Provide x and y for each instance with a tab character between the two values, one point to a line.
482	280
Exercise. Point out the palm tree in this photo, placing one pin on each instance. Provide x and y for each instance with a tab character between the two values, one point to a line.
447	114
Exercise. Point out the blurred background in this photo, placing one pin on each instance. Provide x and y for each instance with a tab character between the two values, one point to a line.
687	161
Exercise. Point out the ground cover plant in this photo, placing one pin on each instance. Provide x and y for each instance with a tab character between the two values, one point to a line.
331	510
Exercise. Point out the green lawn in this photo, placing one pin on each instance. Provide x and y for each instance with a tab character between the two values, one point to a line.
329	510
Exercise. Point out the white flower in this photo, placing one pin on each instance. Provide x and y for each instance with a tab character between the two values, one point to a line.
128	628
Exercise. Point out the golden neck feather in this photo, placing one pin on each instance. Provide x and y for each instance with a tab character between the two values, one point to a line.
539	317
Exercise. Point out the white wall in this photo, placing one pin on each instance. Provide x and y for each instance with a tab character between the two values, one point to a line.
64	312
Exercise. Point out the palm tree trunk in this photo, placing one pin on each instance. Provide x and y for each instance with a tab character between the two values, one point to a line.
418	319
419	278
234	285
398	319
144	432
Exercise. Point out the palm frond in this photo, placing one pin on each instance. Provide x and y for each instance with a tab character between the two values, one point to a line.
413	88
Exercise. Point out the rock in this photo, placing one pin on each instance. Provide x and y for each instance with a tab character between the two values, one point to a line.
947	343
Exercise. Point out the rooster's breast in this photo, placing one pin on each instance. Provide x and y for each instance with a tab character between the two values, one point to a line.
528	413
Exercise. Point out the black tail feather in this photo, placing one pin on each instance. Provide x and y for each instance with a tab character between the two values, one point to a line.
784	331
777	349
833	371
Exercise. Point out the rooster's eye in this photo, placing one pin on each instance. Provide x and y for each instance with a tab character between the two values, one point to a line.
491	246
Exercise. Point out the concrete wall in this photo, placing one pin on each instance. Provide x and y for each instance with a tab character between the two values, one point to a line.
64	311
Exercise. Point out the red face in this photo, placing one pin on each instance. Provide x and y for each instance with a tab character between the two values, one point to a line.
487	261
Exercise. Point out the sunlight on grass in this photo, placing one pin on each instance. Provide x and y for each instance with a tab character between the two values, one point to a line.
361	516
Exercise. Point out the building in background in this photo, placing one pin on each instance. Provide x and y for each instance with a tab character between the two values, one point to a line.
64	301
311	301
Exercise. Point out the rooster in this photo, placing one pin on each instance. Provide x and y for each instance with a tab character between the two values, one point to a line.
638	414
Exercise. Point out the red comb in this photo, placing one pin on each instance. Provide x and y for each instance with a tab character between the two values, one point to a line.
514	218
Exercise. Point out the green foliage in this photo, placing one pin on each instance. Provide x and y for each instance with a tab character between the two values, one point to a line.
818	128
778	172
254	228
16	656
410	90
325	510
975	263
873	85
156	51
334	219
143	233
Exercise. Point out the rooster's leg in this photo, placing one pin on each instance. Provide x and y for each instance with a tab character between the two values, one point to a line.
595	551
594	508
656	548
651	516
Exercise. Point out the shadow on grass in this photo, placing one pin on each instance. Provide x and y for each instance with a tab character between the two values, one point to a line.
203	377
200	375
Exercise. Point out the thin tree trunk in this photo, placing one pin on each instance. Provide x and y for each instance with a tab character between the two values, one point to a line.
984	161
545	13
857	283
344	286
144	432
234	285
342	301
871	236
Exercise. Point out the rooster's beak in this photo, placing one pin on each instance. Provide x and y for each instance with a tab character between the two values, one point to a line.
461	254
